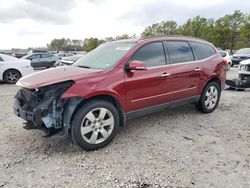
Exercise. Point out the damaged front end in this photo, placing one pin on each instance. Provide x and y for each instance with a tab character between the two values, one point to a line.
243	80
44	109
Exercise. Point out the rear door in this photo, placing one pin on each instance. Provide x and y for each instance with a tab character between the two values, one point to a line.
35	60
146	88
185	71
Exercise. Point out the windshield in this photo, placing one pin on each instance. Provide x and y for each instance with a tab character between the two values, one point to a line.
243	51
105	56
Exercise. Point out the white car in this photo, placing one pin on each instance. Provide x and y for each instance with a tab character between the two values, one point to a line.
227	57
11	68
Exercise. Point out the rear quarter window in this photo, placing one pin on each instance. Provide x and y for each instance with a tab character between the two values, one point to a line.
202	51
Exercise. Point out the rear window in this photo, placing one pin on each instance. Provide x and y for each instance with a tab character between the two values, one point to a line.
179	52
202	51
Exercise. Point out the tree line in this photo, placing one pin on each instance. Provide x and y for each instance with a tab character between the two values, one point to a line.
231	32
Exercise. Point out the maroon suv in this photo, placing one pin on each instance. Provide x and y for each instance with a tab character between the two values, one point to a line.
118	81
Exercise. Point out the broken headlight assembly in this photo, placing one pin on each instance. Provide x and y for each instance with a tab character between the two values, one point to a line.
42	107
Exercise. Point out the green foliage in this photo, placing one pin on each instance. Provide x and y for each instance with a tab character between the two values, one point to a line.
228	32
92	43
65	45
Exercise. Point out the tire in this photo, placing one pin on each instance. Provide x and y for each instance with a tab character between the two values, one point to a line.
11	76
95	124
232	64
206	104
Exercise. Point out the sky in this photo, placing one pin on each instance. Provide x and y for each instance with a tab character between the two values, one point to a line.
34	23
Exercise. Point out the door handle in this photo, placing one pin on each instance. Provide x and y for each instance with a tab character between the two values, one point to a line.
165	74
197	69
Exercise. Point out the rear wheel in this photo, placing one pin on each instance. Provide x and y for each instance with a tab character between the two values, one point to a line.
209	99
11	76
95	124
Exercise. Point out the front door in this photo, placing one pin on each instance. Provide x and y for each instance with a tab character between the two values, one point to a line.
146	88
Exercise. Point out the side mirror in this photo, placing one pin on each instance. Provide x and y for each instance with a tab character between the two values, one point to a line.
136	65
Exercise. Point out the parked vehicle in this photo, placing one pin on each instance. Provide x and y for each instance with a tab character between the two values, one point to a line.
243	80
119	81
64	54
68	60
227	57
240	55
43	59
12	69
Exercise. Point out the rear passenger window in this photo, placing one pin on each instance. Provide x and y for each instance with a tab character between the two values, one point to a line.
151	54
179	52
202	51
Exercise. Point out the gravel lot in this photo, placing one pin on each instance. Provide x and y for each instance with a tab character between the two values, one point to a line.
175	148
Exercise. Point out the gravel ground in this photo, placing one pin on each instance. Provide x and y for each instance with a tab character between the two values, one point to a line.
175	148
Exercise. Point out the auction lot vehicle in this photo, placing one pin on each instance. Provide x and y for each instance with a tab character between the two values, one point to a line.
240	55
118	81
243	81
41	60
227	57
12	69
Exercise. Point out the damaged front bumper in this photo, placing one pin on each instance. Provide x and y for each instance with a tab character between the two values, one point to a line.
44	108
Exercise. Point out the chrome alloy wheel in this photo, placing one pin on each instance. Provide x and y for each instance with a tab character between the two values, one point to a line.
211	97
97	125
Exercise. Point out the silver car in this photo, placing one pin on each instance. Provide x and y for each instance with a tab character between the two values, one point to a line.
39	60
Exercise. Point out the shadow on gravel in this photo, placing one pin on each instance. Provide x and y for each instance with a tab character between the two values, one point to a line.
44	146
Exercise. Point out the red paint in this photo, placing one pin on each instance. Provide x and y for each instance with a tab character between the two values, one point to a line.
139	88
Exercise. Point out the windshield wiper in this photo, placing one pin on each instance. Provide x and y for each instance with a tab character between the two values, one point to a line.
84	66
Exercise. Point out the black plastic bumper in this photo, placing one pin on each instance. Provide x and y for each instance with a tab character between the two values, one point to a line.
238	84
26	115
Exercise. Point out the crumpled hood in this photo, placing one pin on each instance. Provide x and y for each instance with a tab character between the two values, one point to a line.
54	75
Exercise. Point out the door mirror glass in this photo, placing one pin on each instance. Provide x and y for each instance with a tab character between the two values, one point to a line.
137	65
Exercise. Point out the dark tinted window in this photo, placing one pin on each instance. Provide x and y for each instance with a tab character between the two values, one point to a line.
179	52
151	54
1	59
202	51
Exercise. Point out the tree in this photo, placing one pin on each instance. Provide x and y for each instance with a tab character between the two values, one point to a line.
162	28
92	43
65	45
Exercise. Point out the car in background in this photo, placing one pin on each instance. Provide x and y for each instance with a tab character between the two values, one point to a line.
12	69
92	99
41	60
68	60
240	55
64	54
227	57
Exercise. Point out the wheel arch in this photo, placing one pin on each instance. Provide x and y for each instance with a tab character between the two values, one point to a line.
215	79
105	97
3	75
12	69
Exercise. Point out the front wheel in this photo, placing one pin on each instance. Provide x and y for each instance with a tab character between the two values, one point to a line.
95	124
209	99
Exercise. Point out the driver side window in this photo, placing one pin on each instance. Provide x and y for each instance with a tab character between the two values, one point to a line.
151	54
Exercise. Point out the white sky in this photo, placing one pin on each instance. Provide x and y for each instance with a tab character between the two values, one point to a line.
34	23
